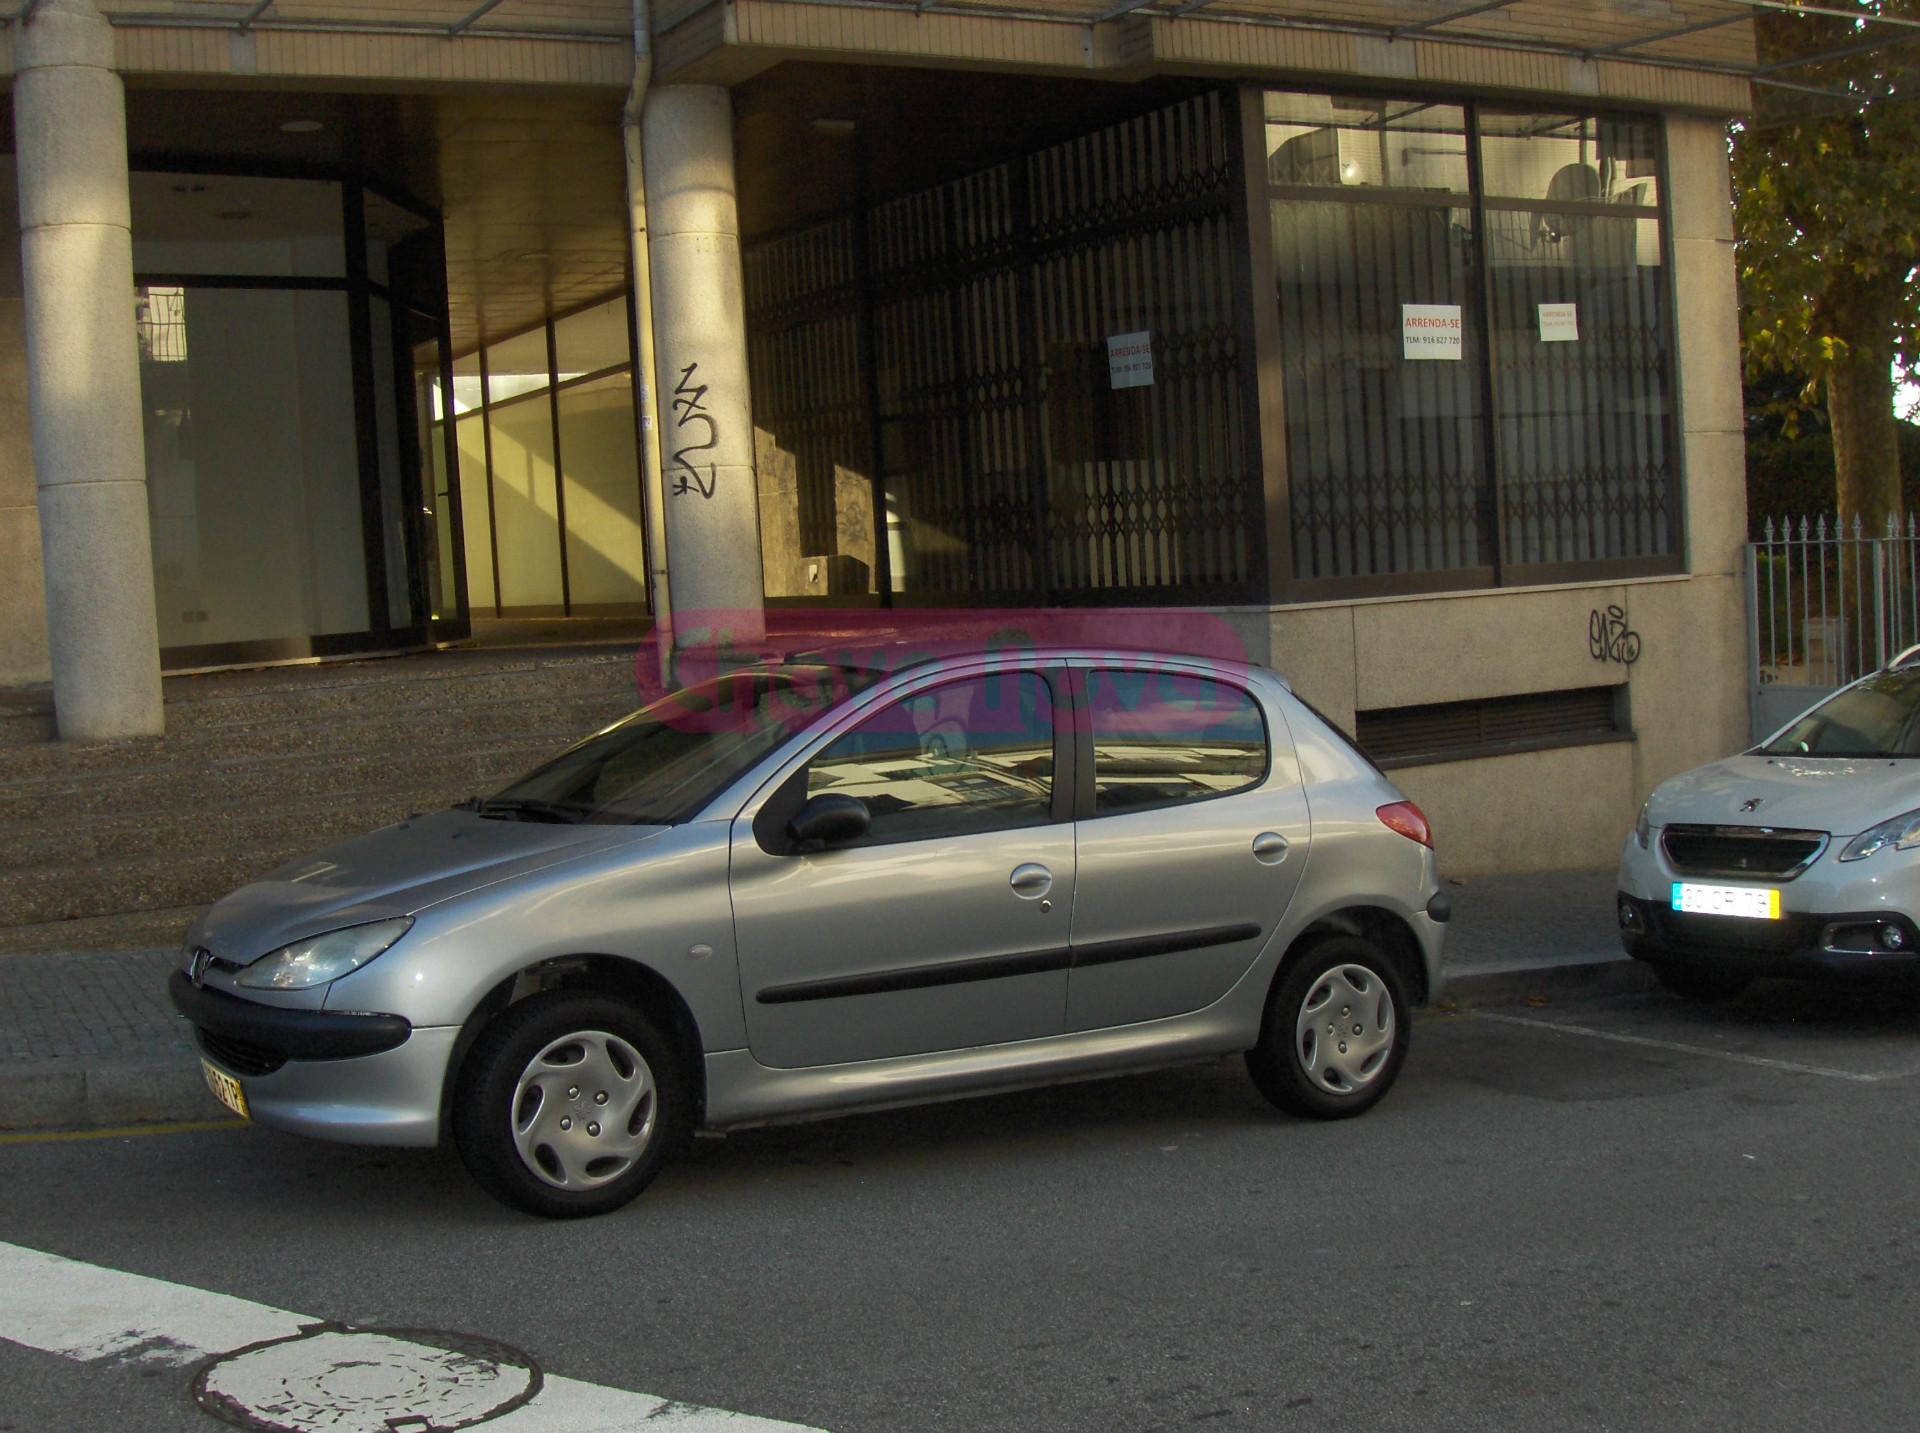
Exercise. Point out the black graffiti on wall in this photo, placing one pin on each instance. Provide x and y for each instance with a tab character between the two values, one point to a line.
690	406
1609	639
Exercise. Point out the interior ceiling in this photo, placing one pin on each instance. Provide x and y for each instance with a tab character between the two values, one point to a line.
532	187
910	129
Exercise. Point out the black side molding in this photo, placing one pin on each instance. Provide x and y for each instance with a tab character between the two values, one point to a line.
999	967
1142	947
295	1034
952	972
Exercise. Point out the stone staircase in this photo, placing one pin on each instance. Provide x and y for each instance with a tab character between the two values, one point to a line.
117	845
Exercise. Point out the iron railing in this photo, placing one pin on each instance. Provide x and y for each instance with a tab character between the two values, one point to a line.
1827	602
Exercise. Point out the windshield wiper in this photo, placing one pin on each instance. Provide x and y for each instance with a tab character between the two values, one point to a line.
524	808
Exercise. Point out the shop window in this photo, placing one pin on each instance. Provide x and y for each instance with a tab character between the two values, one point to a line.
1475	343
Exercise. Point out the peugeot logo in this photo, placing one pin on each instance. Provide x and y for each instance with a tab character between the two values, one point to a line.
197	967
1752	803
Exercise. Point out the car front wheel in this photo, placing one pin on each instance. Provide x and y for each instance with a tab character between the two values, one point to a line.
569	1105
1335	1033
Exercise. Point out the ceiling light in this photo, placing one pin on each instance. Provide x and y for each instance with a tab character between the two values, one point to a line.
301	126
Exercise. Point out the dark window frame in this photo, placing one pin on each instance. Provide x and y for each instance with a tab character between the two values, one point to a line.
1501	573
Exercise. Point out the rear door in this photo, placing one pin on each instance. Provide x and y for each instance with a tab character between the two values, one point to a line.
1192	837
946	926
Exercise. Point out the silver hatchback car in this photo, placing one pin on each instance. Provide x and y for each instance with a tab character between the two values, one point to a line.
809	886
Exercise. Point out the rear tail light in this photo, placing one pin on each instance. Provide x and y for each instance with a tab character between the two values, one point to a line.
1408	820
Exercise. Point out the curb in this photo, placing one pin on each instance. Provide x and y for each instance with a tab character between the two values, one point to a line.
1564	978
66	1095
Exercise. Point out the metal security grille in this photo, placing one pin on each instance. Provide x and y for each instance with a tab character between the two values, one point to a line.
803	347
1494	726
1010	466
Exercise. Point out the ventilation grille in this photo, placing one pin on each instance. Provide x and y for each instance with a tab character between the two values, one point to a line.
1493	726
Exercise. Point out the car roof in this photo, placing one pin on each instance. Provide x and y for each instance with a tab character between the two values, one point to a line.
894	658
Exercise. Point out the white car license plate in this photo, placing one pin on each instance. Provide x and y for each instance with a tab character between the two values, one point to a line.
1746	902
225	1089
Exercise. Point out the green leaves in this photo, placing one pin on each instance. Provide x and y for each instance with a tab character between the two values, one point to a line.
1827	207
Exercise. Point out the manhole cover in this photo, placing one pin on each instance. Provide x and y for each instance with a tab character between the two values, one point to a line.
332	1380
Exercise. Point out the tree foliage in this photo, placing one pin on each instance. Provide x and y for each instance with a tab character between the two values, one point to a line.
1827	193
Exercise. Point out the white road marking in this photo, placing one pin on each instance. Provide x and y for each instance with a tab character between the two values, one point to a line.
1792	1067
91	1314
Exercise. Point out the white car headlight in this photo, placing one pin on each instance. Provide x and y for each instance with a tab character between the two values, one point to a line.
321	958
1902	833
1642	829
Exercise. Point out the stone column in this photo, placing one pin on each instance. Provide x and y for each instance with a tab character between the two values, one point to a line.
700	346
83	374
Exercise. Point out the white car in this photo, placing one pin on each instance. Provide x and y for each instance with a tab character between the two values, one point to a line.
1799	858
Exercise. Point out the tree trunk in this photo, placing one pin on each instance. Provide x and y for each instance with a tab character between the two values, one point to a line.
1866	445
1866	469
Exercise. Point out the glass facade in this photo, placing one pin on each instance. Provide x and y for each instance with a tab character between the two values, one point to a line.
1475	343
549	472
287	512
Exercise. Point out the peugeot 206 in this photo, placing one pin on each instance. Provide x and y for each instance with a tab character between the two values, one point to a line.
809	886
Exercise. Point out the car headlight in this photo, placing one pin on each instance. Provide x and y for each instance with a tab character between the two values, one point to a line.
320	958
1902	833
1643	829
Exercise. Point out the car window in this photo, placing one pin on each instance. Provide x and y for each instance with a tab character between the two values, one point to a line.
962	757
1879	716
1162	738
666	761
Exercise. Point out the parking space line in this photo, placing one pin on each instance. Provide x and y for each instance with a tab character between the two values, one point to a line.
92	1314
1763	1061
77	1136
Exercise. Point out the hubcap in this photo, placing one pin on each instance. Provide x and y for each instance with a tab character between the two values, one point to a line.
583	1111
1345	1030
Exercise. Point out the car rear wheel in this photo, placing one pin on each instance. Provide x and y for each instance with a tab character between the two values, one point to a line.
1335	1033
1701	982
569	1105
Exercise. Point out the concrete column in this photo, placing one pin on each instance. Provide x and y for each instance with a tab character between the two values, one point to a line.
700	346
83	374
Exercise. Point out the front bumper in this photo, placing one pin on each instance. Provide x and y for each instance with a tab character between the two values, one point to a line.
355	1078
1845	945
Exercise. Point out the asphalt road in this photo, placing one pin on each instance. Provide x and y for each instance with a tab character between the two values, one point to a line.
1627	1214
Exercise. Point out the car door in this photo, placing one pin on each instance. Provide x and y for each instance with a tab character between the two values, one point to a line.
945	926
1192	837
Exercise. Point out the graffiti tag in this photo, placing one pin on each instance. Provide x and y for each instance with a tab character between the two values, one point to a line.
689	406
1609	639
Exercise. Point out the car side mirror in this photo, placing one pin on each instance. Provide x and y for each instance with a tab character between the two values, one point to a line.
829	820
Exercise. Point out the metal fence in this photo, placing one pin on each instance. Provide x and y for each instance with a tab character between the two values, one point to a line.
1826	603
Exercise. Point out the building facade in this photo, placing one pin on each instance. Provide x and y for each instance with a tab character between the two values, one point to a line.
1399	337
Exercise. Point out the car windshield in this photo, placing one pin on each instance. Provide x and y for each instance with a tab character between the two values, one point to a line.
1879	716
667	760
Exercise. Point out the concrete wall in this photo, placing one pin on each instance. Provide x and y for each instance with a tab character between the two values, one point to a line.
1571	807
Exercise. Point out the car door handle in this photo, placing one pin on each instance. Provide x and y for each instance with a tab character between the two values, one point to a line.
1269	848
1030	881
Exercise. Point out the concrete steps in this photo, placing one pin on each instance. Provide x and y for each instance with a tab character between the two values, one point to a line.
117	844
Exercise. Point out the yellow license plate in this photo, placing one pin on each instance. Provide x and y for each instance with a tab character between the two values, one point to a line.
225	1089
